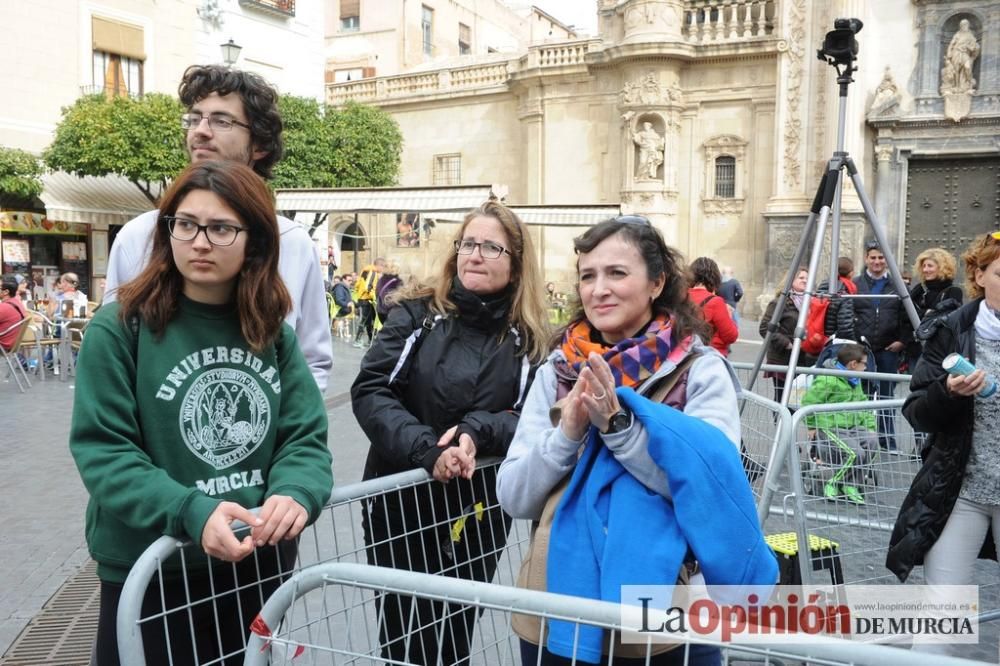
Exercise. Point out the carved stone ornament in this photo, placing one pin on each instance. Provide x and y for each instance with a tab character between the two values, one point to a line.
886	99
793	91
722	206
651	148
957	84
647	91
211	13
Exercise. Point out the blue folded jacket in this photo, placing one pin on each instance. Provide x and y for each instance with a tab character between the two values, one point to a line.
609	530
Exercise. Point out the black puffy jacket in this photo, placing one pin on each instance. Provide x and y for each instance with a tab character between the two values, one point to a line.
468	370
881	321
949	420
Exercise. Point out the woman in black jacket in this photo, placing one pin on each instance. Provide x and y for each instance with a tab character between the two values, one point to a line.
441	387
945	520
779	347
935	295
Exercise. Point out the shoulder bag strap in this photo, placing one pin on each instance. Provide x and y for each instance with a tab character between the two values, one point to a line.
667	383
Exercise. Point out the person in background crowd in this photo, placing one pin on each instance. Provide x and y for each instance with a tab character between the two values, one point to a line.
935	295
343	305
23	289
331	262
847	439
634	326
12	311
387	284
839	322
167	400
705	281
233	115
731	291
883	323
779	348
953	502
364	298
67	292
441	388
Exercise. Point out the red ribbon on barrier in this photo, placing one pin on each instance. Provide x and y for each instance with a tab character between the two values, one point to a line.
259	627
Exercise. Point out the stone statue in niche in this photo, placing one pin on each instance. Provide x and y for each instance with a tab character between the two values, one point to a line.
886	96
957	83
956	75
651	146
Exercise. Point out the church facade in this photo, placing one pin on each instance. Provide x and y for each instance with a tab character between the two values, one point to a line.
715	119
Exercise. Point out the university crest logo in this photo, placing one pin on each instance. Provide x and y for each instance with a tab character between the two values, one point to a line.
224	417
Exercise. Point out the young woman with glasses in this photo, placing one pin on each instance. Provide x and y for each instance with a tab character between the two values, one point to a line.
193	404
440	389
633	326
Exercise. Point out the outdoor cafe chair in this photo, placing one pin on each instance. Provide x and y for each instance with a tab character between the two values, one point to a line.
12	356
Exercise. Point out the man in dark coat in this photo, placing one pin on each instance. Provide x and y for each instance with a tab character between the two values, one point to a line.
882	322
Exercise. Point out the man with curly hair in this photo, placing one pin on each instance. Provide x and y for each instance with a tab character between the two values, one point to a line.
233	116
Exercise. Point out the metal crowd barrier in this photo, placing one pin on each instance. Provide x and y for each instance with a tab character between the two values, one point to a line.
324	614
150	598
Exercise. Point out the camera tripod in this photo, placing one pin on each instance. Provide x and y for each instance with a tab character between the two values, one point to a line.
840	51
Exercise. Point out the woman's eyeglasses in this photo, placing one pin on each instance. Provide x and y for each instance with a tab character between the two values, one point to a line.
217	233
487	249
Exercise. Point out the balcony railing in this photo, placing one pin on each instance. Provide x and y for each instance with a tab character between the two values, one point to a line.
110	92
721	21
276	7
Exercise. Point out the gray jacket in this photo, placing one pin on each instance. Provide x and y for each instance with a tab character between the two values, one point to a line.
540	455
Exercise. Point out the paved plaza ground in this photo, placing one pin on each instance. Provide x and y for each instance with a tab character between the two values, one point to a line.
43	547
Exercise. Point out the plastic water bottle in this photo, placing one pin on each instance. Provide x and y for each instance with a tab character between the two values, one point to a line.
956	364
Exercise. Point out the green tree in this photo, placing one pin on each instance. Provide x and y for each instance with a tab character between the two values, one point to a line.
20	173
356	146
140	139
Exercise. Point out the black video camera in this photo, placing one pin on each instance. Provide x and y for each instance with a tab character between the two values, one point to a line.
839	45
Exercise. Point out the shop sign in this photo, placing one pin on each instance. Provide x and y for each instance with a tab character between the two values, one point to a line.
35	223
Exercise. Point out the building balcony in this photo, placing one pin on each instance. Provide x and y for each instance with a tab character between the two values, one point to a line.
281	8
109	92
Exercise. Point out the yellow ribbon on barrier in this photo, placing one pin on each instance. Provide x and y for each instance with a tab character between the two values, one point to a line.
459	525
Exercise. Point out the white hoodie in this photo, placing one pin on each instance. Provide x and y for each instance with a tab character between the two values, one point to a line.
297	264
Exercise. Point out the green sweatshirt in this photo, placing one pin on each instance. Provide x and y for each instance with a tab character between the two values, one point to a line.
165	428
826	390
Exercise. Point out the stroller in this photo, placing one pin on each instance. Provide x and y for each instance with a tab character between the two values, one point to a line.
841	456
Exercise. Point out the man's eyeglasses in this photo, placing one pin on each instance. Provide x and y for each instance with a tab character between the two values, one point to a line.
217	233
487	249
217	122
632	219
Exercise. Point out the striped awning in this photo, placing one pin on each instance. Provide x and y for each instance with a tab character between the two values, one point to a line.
384	199
105	199
444	204
549	216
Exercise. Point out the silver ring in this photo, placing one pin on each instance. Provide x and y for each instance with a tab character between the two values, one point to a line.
601	397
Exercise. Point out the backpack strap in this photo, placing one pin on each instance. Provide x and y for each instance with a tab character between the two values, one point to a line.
412	345
710	297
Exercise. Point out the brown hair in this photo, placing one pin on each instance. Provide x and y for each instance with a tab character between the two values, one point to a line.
262	301
527	308
983	251
705	271
660	260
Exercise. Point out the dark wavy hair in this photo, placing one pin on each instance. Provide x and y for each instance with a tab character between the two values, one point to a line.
705	271
262	301
660	260
260	103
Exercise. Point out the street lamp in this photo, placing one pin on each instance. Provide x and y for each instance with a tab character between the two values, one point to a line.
230	52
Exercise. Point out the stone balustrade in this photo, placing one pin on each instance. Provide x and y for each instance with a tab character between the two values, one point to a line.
726	21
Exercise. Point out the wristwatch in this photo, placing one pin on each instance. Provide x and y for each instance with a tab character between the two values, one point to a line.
619	422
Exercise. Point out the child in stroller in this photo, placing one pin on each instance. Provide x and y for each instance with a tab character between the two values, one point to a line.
844	440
